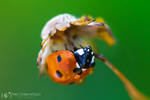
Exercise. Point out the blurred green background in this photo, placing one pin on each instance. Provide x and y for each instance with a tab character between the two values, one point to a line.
22	21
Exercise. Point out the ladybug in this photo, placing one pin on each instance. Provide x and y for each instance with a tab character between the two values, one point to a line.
66	29
66	67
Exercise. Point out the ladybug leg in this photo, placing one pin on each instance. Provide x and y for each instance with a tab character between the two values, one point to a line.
78	71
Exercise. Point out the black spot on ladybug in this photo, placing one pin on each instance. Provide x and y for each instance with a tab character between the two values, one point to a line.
58	73
59	58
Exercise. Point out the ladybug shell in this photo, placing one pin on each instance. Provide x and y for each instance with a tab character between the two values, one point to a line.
60	66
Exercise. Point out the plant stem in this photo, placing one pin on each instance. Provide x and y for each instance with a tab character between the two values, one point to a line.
131	89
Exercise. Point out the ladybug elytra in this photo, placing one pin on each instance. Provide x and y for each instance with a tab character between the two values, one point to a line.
67	67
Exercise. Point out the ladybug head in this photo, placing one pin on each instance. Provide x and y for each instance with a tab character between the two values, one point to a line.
85	59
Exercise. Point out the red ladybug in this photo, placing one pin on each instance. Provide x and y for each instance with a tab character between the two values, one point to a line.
68	67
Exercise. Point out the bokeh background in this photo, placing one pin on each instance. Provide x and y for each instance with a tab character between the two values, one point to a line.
21	22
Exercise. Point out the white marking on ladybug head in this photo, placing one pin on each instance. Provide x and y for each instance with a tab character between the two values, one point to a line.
88	50
77	65
83	69
80	51
92	61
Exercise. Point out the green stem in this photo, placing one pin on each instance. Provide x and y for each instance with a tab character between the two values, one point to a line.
131	89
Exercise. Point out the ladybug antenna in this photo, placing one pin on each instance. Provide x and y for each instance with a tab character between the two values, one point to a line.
75	48
81	46
131	89
89	47
66	48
